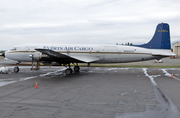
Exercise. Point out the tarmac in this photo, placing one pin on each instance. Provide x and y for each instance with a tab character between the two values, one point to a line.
94	92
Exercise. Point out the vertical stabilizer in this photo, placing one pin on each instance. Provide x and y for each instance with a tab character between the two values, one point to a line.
161	38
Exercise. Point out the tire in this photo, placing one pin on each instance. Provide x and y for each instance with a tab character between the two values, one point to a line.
76	68
68	71
16	69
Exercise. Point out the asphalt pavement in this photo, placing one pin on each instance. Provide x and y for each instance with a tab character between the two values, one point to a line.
94	92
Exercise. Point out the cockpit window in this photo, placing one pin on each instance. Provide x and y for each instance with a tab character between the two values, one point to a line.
14	49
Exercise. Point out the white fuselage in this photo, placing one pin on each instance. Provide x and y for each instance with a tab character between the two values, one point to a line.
105	53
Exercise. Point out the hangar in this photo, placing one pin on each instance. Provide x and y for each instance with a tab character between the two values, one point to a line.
176	49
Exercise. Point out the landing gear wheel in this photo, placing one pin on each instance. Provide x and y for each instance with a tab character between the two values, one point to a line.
68	71
16	69
76	68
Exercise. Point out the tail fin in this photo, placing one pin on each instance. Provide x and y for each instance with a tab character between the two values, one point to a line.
161	38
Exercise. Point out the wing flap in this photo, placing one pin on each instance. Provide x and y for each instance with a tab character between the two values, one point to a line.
86	59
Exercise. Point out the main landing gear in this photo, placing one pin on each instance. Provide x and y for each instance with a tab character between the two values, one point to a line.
76	68
69	71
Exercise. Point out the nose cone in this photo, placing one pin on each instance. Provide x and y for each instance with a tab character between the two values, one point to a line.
3	54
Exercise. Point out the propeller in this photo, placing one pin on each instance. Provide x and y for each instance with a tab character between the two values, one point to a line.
2	54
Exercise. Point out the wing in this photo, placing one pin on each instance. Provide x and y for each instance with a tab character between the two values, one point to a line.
83	58
52	53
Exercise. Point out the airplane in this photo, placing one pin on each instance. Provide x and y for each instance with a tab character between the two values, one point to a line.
65	54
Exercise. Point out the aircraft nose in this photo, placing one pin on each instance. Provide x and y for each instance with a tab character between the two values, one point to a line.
3	54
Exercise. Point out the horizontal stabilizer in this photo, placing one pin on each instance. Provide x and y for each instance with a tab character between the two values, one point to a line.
163	53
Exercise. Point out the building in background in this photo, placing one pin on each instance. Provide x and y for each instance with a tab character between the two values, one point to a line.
176	49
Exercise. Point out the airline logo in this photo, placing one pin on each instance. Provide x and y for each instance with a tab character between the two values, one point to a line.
77	48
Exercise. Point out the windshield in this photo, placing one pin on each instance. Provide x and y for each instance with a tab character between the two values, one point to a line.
14	49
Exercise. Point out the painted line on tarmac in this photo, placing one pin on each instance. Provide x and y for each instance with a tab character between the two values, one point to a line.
168	74
150	77
167	109
4	82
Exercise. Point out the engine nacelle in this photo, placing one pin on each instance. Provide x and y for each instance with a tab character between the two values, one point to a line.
37	56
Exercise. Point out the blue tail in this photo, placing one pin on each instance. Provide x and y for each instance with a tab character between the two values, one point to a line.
161	38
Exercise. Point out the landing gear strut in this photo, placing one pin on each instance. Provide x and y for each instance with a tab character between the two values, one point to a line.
37	66
32	63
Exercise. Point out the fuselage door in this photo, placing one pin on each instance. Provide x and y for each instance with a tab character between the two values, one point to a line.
109	53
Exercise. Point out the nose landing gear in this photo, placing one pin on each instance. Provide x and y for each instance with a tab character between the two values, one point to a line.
16	69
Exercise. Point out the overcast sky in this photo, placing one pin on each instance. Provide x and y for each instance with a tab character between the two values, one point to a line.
85	21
